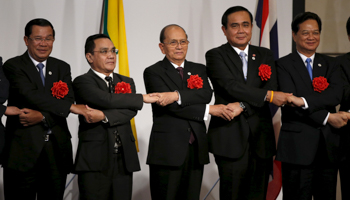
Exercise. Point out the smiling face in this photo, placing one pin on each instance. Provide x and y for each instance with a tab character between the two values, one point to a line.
239	29
178	53
307	38
103	63
39	51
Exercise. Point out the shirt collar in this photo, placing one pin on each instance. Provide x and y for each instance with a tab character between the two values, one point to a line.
102	76
36	62
176	66
303	57
239	51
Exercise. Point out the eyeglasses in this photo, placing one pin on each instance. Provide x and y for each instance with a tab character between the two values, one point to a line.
174	43
39	39
105	51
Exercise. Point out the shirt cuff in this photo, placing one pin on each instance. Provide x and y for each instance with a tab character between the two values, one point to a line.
325	120
206	113
178	101
306	106
105	120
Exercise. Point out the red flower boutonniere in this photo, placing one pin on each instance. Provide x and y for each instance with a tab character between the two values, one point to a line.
320	84
59	89
265	72
195	82
122	87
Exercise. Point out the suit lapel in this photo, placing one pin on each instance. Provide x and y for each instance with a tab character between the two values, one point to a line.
253	65
101	83
319	67
32	71
236	60
51	74
172	73
300	67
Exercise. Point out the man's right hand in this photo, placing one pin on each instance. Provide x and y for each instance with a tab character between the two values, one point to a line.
339	119
13	110
278	98
80	109
150	98
222	111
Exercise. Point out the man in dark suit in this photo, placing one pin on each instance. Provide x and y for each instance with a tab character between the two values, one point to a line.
344	149
240	74
178	147
106	156
38	150
5	110
307	145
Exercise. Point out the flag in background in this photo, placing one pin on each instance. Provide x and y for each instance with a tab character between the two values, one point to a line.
113	25
266	20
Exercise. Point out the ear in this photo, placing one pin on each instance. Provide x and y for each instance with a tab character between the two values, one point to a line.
161	46
89	58
25	38
223	30
294	36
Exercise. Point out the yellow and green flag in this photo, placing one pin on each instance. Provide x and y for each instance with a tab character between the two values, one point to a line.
113	24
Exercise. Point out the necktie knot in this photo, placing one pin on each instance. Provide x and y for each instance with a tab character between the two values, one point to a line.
308	60
181	71
40	66
242	54
108	78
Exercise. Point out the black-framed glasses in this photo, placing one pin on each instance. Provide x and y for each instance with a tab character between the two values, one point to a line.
105	51
174	43
39	39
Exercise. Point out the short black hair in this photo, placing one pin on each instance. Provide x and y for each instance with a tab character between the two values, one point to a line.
162	36
90	44
231	10
38	22
348	26
302	17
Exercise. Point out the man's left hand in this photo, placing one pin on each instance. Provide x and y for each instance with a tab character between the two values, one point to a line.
167	98
30	117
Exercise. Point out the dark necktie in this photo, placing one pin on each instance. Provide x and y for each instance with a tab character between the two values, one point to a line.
110	83
181	72
308	67
40	66
118	142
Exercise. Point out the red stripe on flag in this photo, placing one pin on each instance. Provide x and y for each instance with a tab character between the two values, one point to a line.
265	15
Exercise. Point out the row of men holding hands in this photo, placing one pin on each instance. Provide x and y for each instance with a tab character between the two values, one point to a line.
38	151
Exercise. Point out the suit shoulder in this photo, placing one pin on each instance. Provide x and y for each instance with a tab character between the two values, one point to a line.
284	59
156	66
57	61
13	60
216	49
124	78
198	65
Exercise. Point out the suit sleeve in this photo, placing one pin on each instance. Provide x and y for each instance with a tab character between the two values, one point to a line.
95	97
4	89
40	100
345	69
191	109
330	96
118	117
220	75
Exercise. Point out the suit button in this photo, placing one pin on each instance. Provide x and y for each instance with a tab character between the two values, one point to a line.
115	132
189	129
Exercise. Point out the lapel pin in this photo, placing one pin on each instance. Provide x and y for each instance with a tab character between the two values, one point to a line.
189	73
253	57
319	65
50	73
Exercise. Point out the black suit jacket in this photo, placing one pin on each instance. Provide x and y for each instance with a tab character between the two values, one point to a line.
230	138
344	61
96	140
4	93
172	124
24	144
301	129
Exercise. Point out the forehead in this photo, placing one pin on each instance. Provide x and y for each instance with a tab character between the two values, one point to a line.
174	32
309	24
238	17
103	43
41	30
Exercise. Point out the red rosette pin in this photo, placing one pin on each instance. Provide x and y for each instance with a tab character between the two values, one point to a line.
320	83
122	87
59	89
195	82
265	72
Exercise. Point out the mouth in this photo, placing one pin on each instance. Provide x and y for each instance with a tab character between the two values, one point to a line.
42	50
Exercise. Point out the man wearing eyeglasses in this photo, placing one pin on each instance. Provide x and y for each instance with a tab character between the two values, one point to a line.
178	145
38	150
106	156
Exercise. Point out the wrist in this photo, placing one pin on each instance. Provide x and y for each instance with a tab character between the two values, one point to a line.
241	105
268	96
